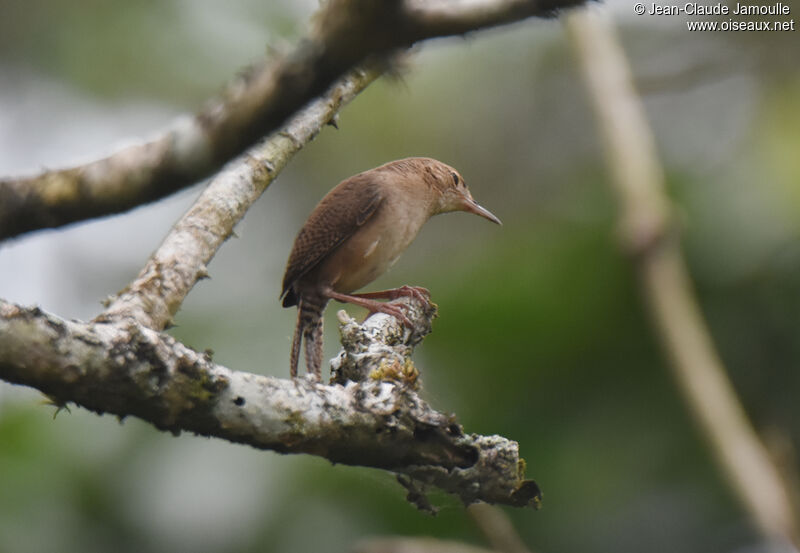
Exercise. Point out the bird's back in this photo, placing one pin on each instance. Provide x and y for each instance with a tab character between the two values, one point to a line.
337	217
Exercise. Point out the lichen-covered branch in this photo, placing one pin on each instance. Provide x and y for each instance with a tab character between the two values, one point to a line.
380	347
346	33
127	369
121	363
173	269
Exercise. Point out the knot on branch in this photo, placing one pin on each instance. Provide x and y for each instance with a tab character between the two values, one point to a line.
380	348
497	475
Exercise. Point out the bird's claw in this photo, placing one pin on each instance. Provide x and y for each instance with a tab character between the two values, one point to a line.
396	311
417	292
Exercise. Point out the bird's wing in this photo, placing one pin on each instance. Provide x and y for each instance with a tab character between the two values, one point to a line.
337	217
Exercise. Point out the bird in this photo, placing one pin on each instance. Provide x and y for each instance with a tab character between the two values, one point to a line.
355	233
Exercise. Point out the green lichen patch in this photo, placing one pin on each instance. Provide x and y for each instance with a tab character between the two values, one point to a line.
405	373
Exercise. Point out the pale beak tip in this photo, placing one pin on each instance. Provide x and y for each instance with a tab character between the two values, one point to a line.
493	218
477	209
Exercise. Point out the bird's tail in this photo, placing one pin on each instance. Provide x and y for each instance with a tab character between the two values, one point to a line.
309	327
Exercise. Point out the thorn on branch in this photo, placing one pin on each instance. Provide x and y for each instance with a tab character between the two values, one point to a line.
417	494
59	404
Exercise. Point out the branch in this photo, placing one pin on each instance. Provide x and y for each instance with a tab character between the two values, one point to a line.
380	348
173	269
648	232
127	369
497	528
121	364
347	33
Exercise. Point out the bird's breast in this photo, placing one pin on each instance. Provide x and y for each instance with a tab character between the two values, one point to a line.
372	249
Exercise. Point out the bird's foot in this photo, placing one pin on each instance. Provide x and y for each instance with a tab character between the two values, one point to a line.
367	302
417	292
395	310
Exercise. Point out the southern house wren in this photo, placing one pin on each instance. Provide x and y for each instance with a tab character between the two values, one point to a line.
356	233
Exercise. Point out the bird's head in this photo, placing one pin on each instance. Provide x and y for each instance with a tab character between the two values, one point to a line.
454	194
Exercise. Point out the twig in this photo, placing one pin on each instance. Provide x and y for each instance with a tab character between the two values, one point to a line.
346	34
127	369
497	528
648	231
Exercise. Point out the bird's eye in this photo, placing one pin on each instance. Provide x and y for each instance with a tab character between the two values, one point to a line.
456	180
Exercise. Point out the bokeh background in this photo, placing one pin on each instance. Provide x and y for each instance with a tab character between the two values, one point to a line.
541	338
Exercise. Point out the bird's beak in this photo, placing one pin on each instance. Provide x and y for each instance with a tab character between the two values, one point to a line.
472	206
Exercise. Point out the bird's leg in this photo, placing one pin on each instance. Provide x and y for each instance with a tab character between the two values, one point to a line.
371	305
417	292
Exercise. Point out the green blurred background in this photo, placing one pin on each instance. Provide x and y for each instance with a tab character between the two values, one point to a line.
542	337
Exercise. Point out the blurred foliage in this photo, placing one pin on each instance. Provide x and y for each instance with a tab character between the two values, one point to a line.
541	337
166	49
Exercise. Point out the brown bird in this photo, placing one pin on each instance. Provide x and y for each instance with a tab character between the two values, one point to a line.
356	233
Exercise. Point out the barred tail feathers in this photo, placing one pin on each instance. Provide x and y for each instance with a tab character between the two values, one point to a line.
309	328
